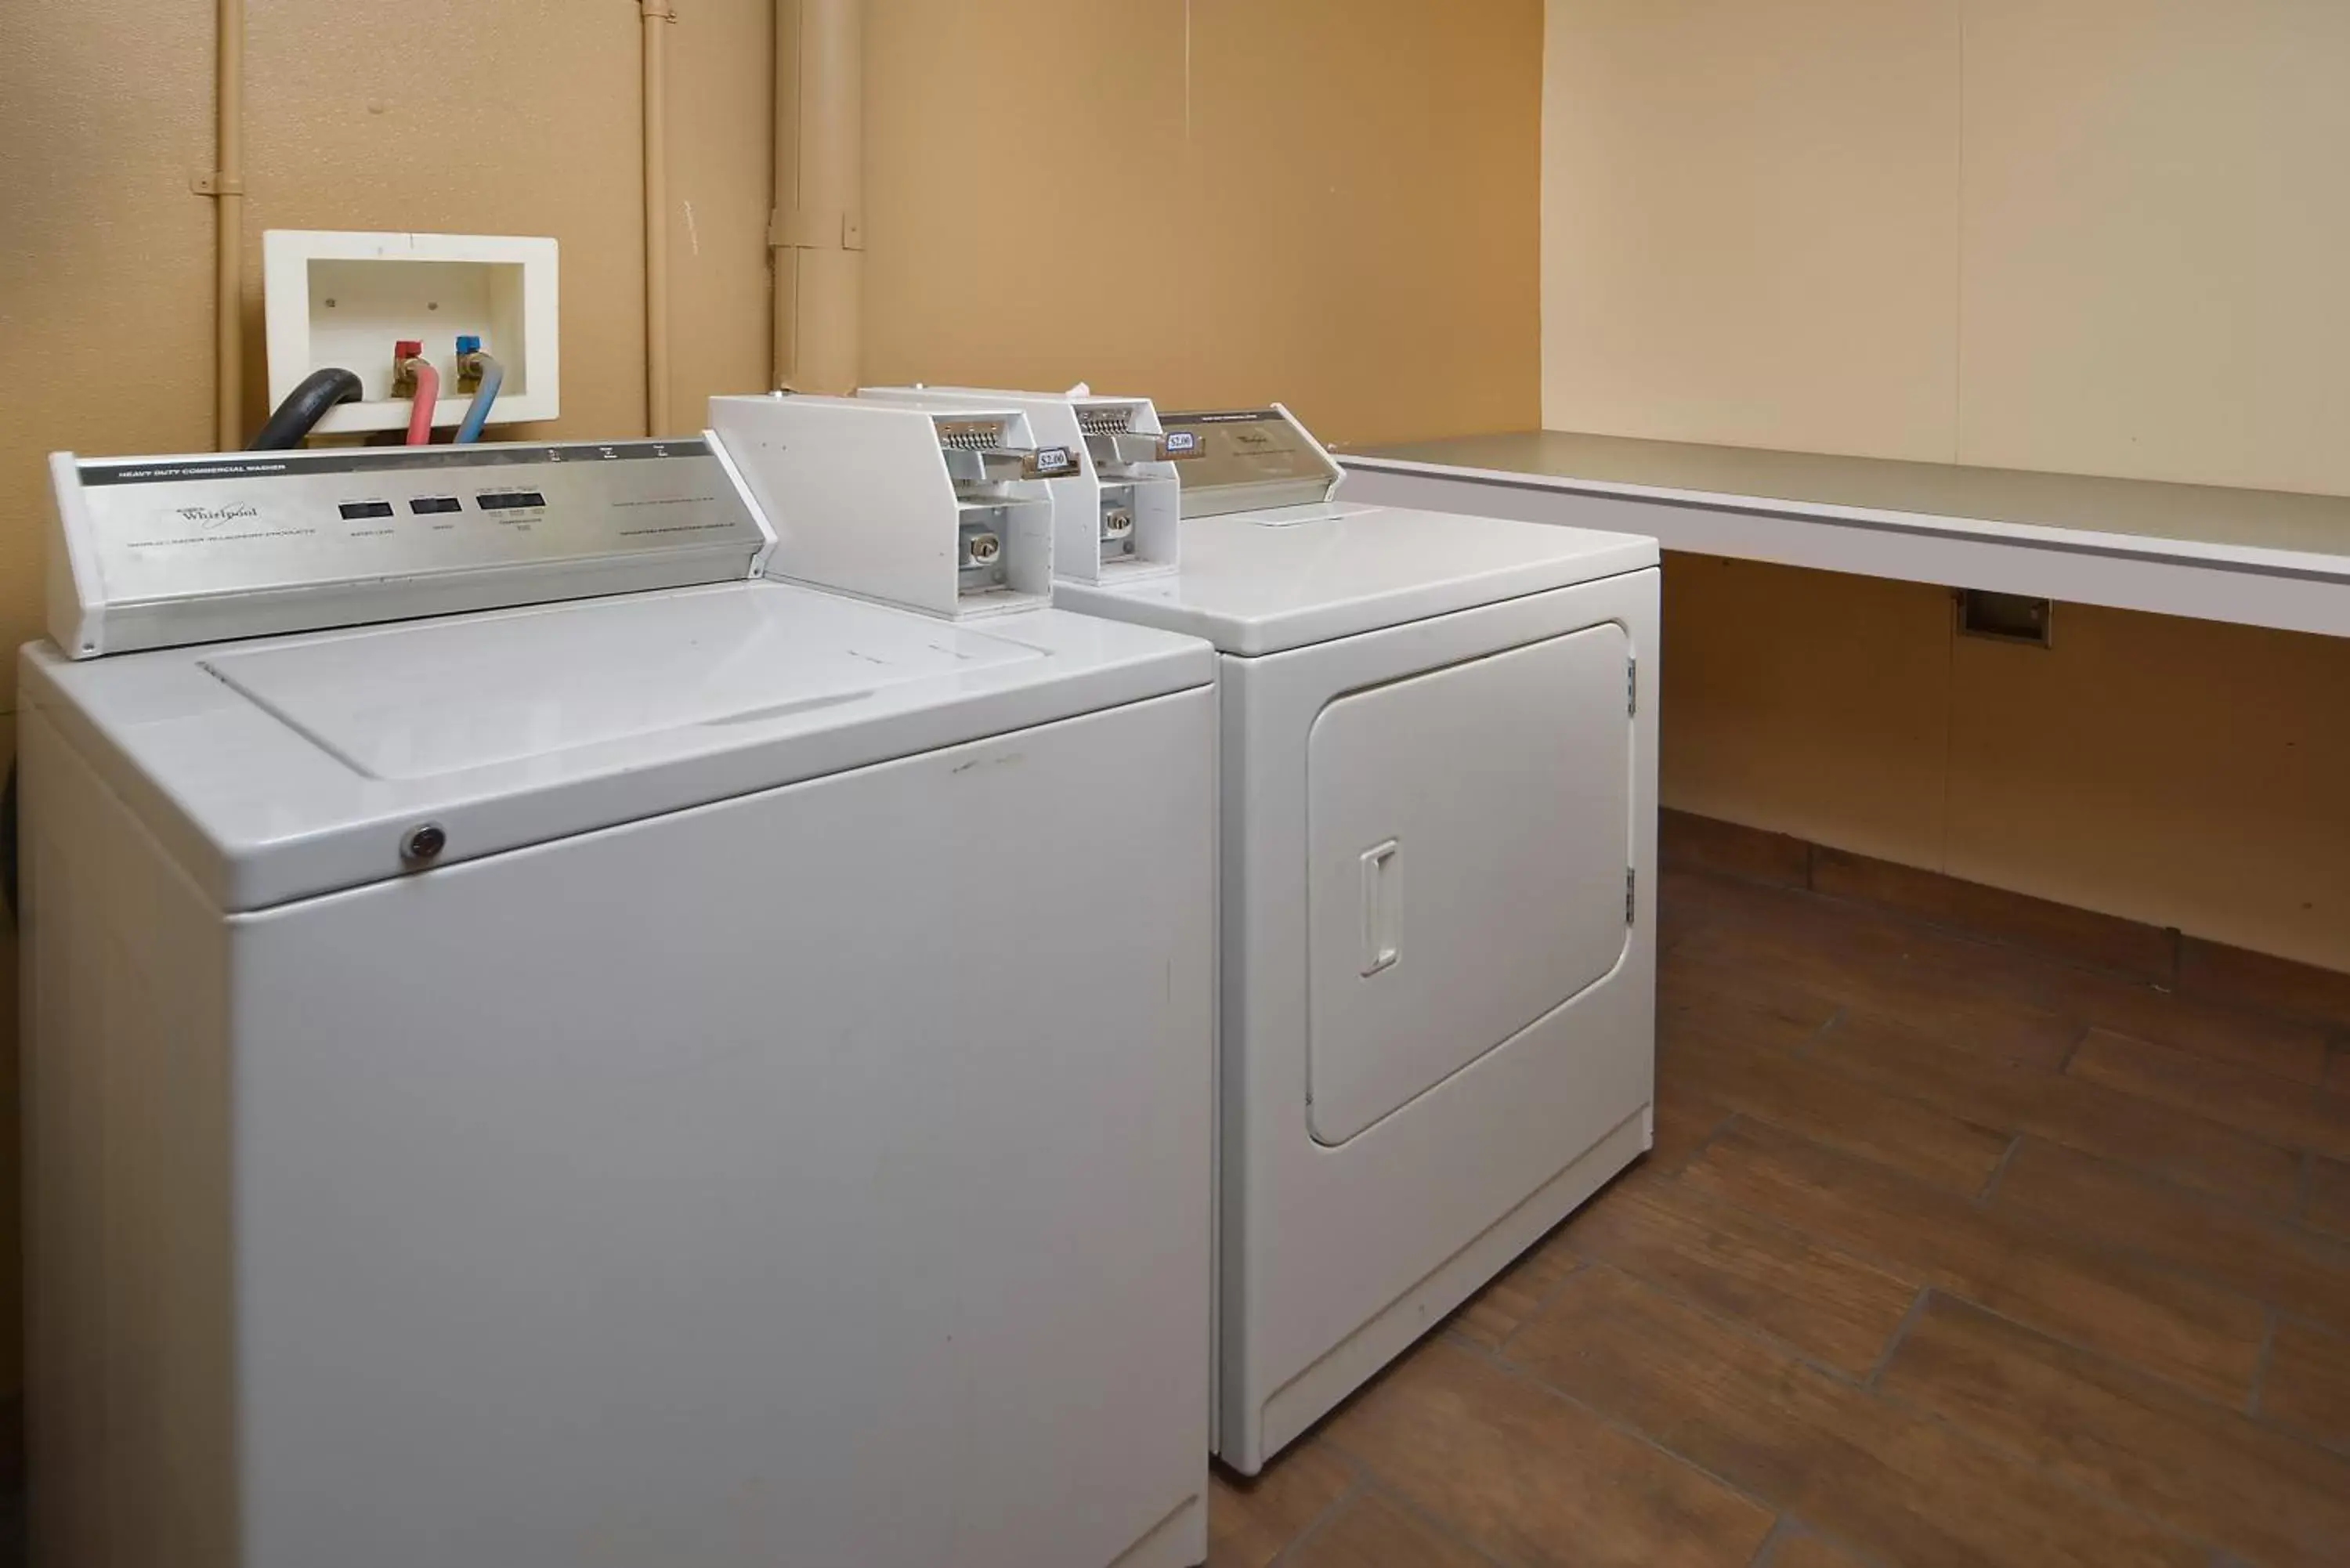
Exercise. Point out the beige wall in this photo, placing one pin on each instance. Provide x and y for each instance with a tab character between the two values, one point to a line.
357	118
1329	201
2105	237
2188	774
1326	201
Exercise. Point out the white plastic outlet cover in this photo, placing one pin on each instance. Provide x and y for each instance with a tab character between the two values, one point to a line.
344	299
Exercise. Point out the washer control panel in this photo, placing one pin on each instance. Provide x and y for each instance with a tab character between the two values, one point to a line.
1246	460
384	531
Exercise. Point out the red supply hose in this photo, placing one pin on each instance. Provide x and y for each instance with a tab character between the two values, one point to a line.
428	392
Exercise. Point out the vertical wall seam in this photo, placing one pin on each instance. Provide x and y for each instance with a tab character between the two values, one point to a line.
1186	196
1959	253
1957	428
657	15
227	191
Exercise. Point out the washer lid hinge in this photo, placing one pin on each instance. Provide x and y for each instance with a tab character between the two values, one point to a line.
1631	893
1632	685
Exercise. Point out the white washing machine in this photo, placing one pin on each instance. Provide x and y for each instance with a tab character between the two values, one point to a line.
716	1076
1438	912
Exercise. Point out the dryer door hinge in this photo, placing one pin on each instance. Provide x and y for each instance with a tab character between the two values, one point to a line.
1631	686
1631	892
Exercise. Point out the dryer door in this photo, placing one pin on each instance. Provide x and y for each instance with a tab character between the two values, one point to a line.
1470	831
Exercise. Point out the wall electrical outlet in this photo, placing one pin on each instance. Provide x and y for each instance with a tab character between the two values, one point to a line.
2004	618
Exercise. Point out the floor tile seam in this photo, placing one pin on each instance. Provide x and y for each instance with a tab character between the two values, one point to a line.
2168	1179
1666	1289
1946	1282
1975	936
1440	1525
1766	1551
2033	1220
1840	1542
2108	1359
2278	1081
1755	1335
1622	1427
1894	1401
2261	1367
1777	1125
1900	1332
1999	1168
1357	1484
1673	1172
2015	1128
2049	953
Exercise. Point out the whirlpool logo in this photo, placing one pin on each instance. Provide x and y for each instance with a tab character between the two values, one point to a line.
214	516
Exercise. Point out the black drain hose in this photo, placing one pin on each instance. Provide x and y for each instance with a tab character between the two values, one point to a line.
304	406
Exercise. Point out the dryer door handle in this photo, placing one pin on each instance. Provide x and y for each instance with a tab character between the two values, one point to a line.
1382	908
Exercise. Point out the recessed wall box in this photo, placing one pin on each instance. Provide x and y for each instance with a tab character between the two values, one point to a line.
343	299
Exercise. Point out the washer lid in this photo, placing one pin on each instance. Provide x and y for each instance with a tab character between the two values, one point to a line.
277	770
1259	582
442	697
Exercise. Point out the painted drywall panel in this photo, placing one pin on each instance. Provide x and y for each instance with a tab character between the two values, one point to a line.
1361	211
722	160
2158	228
2185	773
1320	200
1807	703
1023	193
453	116
1750	223
106	334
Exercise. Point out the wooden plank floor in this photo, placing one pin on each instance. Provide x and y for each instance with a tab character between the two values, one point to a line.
1949	1253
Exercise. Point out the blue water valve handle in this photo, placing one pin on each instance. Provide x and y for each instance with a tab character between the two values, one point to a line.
469	361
